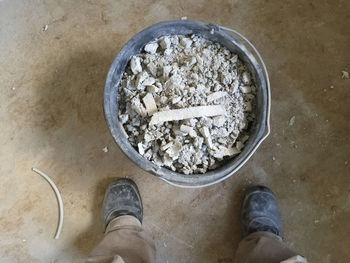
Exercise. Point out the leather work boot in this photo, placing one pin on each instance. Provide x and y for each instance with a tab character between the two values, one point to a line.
259	212
122	198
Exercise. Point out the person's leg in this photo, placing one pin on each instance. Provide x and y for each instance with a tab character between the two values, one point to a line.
125	241
262	230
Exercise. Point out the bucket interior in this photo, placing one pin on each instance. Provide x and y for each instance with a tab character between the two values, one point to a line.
184	27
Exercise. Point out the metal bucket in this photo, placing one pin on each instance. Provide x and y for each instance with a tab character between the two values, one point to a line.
216	34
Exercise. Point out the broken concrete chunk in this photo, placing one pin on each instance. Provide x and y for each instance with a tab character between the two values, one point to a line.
140	148
140	78
192	122
137	106
166	146
166	71
165	42
222	140
191	62
123	118
189	130
163	100
239	145
167	160
174	150
186	42
198	142
345	74
246	89
135	65
151	48
176	100
245	138
218	121
246	78
152	68
242	125
148	81
199	60
135	122
235	85
216	95
234	59
292	121
248	106
231	151
168	52
207	137
225	151
150	104
152	89
148	154
187	113
250	96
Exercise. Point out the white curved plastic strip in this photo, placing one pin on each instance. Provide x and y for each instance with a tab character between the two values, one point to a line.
267	119
59	199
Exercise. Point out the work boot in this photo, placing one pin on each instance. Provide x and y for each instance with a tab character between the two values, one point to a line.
259	212
122	198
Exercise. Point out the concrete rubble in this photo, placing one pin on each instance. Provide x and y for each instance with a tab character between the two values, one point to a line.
187	103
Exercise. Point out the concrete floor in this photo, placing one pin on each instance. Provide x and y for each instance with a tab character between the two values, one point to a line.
51	118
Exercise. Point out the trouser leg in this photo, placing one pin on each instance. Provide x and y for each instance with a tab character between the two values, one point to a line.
265	247
124	242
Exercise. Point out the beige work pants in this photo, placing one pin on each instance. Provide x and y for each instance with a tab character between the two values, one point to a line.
126	242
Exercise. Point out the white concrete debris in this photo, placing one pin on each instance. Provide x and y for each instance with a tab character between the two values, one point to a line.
246	78
189	130
239	145
187	113
148	81
207	137
219	121
186	42
186	103
151	48
345	74
138	107
151	106
165	42
292	121
231	151
152	89
135	65
295	259
216	95
105	149
166	146
140	148
246	89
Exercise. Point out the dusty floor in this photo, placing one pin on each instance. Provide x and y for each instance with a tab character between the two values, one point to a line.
51	118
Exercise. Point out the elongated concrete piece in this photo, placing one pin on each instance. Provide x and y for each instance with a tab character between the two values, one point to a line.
150	104
187	113
207	137
216	95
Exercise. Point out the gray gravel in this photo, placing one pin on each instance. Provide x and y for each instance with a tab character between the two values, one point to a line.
184	72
